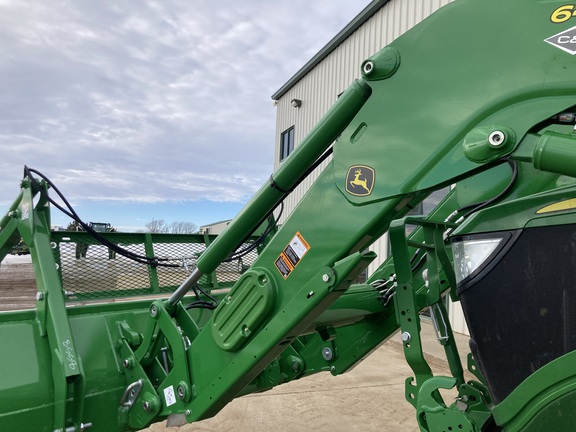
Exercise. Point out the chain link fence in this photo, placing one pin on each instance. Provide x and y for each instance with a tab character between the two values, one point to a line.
88	270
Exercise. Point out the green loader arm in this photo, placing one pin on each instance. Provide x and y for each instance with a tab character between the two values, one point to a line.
481	97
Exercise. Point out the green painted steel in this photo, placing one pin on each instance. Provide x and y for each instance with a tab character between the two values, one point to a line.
480	96
286	177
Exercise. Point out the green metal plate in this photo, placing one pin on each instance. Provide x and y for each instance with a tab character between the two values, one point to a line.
244	310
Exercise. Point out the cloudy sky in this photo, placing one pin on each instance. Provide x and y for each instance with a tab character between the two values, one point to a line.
151	109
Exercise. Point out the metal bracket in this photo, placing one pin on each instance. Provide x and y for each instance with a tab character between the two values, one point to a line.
433	415
416	291
131	394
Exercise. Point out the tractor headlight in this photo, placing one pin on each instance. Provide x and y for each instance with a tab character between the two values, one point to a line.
472	253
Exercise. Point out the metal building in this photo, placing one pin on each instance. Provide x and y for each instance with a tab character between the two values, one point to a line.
305	97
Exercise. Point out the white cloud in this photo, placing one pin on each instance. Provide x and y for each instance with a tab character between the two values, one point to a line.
151	101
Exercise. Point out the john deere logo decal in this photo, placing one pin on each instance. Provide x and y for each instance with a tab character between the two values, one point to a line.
360	180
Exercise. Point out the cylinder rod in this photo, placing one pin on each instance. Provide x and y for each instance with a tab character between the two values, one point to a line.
283	180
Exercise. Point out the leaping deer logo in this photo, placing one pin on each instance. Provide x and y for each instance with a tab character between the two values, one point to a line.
360	180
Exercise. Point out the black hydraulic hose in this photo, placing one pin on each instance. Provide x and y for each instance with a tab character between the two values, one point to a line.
309	171
479	206
200	303
471	208
249	248
70	212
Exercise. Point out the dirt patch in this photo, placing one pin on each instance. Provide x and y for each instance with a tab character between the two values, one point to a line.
17	284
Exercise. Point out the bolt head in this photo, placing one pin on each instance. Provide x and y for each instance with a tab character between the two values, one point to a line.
368	67
187	413
327	354
406	337
147	407
39	296
181	392
153	311
496	138
325	277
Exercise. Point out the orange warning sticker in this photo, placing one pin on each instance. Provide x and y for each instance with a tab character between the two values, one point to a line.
292	255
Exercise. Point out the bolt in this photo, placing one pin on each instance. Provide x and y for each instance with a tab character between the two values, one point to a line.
325	277
426	278
153	311
39	296
496	138
83	427
181	392
368	67
187	413
327	354
127	363
406	337
147	406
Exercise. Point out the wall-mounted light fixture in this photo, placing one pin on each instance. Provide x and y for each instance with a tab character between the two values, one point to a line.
296	103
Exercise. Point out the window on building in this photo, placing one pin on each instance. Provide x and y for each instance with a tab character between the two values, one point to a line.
286	143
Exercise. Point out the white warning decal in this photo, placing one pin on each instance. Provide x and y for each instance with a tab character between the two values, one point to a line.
169	396
291	255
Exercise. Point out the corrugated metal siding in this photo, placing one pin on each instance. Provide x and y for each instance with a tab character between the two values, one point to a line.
320	88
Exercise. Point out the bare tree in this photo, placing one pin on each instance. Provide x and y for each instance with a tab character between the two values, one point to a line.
157	226
183	227
160	226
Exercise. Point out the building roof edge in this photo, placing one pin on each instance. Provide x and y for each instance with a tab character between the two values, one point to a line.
360	19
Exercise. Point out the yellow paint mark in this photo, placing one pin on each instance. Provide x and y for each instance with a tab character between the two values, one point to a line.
559	206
